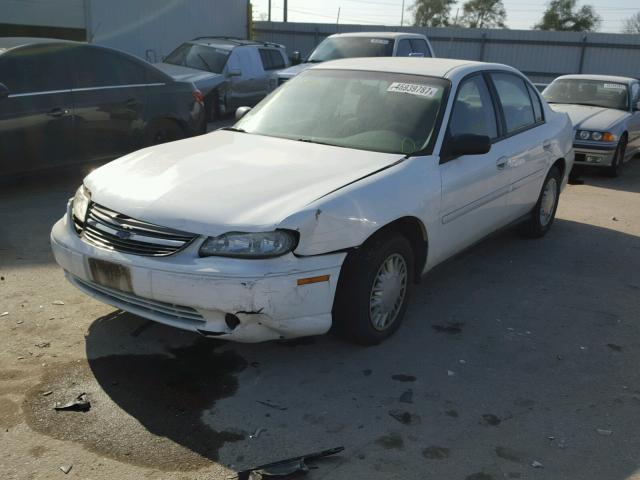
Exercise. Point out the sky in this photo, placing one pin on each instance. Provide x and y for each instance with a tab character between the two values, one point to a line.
521	14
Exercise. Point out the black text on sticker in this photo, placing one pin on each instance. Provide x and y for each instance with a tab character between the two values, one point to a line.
413	88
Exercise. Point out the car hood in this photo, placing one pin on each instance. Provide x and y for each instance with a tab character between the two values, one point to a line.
200	78
585	117
228	181
295	70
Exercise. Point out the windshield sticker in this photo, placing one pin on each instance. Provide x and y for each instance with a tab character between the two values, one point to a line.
413	89
381	41
614	86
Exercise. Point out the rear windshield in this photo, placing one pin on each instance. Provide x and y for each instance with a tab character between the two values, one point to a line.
201	57
597	93
382	112
349	47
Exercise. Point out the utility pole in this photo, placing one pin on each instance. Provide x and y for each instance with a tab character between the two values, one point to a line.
269	14
402	14
285	8
338	19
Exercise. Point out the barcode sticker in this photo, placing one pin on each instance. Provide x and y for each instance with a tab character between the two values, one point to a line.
413	89
381	41
614	86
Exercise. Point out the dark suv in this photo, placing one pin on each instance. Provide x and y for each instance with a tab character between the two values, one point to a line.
65	102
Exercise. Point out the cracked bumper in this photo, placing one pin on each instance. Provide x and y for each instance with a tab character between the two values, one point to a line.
193	293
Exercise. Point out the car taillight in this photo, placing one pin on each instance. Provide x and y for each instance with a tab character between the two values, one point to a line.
198	97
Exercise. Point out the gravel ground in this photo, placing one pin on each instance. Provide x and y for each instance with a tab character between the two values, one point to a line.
515	353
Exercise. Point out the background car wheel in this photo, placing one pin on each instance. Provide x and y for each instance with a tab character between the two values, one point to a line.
212	106
164	131
615	170
543	213
373	290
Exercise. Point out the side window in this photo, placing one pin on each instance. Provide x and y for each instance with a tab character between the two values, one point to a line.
635	93
96	67
537	106
473	110
271	59
404	48
515	101
40	68
420	46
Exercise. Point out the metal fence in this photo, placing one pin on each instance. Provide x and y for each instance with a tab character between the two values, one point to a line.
541	55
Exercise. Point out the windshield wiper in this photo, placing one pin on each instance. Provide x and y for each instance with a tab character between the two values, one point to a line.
310	140
233	129
314	61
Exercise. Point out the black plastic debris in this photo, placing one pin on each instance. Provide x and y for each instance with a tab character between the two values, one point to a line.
271	405
407	396
79	404
286	467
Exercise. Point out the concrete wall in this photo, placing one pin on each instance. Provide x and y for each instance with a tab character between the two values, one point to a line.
541	55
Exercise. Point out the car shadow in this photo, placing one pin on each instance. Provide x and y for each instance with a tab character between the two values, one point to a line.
629	180
514	352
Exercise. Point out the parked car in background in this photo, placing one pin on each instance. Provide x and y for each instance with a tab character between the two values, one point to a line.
362	44
229	72
322	205
605	111
66	102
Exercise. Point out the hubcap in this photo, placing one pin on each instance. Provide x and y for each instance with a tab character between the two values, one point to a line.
548	203
388	292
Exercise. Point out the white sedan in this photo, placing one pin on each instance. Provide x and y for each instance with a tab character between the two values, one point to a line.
323	205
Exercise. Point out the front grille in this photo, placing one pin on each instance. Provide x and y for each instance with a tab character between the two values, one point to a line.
107	229
139	305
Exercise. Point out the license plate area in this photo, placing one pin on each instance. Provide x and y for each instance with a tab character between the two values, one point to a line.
110	275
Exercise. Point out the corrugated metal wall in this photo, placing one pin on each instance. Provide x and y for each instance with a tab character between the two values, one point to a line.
51	13
539	54
153	28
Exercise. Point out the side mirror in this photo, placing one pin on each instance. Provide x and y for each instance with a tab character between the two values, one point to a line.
4	91
234	72
296	58
468	144
241	112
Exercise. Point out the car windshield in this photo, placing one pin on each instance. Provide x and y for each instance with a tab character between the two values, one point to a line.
382	112
201	57
350	47
597	93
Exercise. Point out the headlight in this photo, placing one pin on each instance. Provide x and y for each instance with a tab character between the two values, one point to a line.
81	203
250	245
596	136
584	135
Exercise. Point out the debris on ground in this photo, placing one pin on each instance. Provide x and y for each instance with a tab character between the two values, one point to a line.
286	467
615	219
79	404
47	393
450	373
43	344
66	468
271	405
4	314
537	464
19	322
407	396
604	432
405	418
401	377
257	433
57	302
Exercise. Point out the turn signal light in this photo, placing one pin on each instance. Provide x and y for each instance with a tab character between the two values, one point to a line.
608	137
198	97
318	279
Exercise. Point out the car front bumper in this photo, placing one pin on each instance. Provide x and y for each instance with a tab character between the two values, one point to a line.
596	156
199	294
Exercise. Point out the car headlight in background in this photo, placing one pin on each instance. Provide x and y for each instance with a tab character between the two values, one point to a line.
250	245
81	202
596	136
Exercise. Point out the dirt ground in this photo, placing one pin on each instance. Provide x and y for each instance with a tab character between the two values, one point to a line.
515	352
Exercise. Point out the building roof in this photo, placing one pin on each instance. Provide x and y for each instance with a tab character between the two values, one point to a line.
390	35
603	78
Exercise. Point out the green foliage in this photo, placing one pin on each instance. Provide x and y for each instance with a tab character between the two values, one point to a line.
563	15
432	13
484	14
632	24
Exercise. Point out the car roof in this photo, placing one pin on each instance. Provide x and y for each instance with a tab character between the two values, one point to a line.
391	35
434	67
605	78
12	42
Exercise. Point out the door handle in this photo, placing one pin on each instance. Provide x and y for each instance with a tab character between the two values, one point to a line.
501	163
546	144
58	112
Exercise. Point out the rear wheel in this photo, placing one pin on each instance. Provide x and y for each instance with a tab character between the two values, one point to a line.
374	288
541	217
163	131
615	170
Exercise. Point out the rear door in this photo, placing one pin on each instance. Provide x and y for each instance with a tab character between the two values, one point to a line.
250	86
36	119
109	98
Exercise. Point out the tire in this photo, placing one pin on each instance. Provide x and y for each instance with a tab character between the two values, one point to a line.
541	217
358	312
212	106
163	131
615	170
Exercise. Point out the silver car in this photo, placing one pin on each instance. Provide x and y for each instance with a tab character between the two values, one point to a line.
605	112
229	72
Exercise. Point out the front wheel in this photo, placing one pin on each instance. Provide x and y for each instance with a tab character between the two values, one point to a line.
615	170
541	217
374	289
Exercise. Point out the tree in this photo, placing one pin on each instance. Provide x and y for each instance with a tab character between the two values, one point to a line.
431	13
484	14
563	15
632	24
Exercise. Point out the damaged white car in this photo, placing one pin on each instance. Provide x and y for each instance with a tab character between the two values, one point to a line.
324	204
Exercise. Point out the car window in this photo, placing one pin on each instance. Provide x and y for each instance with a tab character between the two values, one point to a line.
473	110
271	59
201	57
96	67
404	48
333	48
537	106
515	101
588	91
418	45
635	93
21	70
